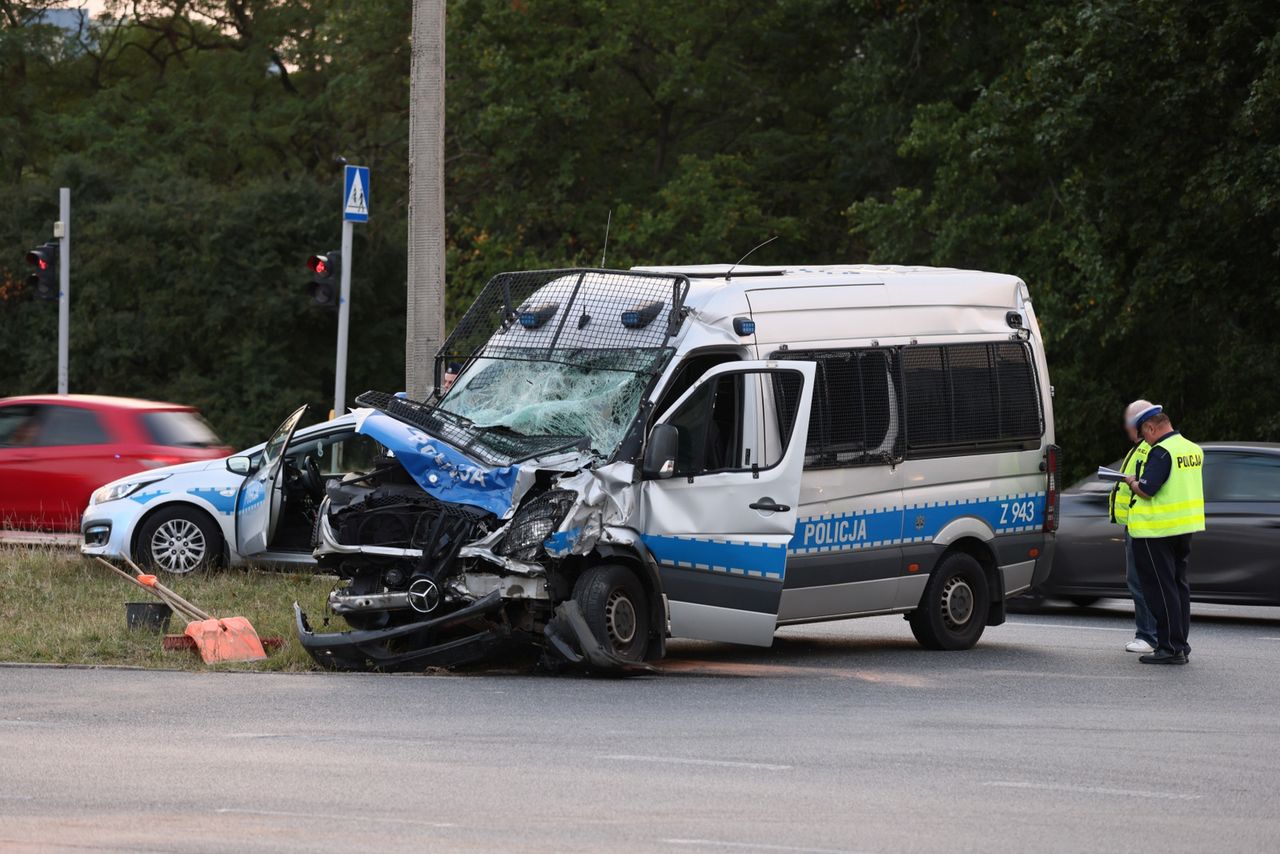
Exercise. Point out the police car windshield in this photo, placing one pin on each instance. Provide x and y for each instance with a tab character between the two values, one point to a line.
590	394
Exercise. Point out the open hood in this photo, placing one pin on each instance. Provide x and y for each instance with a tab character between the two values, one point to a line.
443	471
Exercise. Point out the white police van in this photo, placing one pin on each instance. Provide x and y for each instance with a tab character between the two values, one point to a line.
702	452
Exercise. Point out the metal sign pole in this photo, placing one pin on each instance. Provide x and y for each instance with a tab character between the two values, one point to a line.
344	314
64	286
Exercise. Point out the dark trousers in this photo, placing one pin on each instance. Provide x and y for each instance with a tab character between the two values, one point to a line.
1162	569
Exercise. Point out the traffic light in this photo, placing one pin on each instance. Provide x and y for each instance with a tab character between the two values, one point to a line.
44	278
324	285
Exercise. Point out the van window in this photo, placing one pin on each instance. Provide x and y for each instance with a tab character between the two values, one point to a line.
854	416
965	396
710	427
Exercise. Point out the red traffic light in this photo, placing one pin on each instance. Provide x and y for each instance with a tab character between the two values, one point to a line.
324	285
44	279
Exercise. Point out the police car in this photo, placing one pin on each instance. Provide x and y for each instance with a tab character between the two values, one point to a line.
257	505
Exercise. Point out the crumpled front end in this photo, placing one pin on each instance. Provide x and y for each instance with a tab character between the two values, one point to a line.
444	562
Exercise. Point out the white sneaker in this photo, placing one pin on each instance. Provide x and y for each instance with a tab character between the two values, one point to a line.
1139	645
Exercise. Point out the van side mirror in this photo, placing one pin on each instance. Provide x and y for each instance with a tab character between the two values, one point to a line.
239	465
660	452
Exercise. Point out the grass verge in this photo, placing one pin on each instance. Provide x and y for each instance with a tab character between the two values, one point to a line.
59	608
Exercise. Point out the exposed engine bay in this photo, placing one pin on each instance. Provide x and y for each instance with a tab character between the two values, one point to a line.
432	583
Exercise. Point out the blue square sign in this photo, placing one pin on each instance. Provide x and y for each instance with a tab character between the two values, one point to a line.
355	194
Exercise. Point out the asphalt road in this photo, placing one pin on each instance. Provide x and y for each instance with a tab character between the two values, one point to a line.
842	737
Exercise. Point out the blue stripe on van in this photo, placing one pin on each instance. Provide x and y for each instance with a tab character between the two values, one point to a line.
915	523
762	560
838	532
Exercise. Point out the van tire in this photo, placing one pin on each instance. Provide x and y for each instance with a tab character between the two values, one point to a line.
616	608
953	610
197	540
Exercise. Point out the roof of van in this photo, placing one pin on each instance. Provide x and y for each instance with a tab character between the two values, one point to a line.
928	285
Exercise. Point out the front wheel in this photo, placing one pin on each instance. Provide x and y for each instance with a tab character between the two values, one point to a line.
179	540
953	609
616	609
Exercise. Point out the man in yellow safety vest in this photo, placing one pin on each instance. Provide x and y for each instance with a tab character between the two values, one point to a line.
1168	508
1121	499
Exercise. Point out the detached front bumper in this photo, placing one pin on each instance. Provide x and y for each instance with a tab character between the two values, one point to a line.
431	643
409	647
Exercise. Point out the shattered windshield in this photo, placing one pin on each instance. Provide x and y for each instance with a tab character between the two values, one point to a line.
588	394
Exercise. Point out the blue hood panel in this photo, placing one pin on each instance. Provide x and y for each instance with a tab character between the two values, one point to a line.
443	471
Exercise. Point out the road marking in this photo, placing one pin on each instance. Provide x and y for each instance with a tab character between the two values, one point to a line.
1268	638
754	846
16	798
681	760
1093	790
1065	626
343	817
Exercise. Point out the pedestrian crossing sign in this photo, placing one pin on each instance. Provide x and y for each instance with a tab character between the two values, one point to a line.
355	194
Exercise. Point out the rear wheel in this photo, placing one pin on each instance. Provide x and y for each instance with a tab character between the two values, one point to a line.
953	610
179	540
616	608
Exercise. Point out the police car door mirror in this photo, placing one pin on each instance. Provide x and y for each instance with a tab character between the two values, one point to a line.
660	452
239	465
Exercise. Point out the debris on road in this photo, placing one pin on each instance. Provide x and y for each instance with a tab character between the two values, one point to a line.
217	638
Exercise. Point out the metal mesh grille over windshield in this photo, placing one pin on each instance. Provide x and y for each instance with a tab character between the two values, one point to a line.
553	315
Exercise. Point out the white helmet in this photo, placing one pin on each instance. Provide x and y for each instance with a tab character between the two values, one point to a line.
1139	411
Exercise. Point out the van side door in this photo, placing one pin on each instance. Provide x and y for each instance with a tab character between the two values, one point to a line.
719	526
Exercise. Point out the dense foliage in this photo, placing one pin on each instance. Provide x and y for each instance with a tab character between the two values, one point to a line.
1122	156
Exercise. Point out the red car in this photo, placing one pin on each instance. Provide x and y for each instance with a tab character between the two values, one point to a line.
56	449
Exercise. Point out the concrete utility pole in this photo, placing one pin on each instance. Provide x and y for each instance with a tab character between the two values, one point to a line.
64	286
424	327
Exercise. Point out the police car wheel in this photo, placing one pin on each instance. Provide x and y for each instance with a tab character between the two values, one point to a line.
616	608
953	610
179	540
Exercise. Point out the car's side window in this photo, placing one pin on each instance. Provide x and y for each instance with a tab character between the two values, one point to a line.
1231	476
338	453
69	425
353	452
19	425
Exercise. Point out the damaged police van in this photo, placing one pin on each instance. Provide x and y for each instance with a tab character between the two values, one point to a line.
699	452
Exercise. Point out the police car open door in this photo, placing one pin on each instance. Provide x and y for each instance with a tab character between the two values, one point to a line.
261	494
718	526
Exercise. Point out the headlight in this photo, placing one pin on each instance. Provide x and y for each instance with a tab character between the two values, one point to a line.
116	491
534	522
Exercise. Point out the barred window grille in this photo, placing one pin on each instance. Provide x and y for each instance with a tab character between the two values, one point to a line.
853	419
875	405
961	396
550	359
554	315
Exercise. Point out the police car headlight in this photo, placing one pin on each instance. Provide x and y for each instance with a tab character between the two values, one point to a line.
116	491
534	522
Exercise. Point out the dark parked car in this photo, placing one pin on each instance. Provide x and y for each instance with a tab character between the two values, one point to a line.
1235	560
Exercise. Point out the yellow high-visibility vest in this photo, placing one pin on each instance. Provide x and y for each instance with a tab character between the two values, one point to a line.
1121	495
1178	508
